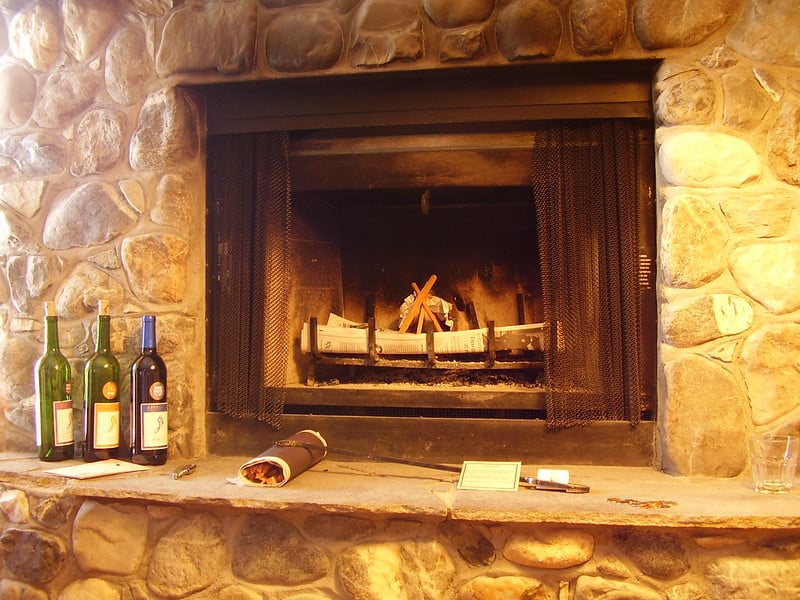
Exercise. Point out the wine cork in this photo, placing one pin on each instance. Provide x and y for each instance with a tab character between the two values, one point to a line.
102	307
50	309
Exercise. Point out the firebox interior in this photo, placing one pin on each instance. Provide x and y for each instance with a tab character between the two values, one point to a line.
368	206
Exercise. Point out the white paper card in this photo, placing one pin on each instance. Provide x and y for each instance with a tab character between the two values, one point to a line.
100	468
557	475
490	476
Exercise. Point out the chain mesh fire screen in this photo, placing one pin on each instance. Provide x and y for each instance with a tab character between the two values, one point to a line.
586	192
249	235
584	186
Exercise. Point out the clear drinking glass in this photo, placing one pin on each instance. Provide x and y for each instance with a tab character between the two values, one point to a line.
774	459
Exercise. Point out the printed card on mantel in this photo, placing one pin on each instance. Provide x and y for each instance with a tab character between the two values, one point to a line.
492	476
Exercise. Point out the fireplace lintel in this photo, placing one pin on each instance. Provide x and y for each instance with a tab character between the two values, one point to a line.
524	92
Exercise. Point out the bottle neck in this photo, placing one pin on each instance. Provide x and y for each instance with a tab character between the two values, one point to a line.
51	334
103	333
148	333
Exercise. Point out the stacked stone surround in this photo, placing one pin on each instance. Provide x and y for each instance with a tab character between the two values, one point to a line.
200	554
102	171
102	197
118	547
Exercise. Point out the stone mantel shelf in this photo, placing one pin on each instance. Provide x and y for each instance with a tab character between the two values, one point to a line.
383	489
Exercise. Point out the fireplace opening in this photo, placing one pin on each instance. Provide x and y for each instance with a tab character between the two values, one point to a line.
314	227
444	218
476	245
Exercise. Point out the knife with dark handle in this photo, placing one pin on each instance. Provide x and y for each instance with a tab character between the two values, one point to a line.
555	486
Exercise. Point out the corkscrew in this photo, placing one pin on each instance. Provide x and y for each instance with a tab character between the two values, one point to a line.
184	470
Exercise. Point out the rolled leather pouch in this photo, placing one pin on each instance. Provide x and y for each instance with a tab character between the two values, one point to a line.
278	465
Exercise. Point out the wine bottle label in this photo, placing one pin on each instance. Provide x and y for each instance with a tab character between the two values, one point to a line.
157	390
154	426
109	390
106	425
62	423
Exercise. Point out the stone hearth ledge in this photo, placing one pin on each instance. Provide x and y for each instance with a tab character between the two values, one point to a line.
385	489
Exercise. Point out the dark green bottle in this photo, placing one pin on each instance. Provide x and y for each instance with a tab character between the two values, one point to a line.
55	438
101	396
149	431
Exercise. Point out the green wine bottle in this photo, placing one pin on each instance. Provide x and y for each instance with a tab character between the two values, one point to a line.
149	439
55	438
101	396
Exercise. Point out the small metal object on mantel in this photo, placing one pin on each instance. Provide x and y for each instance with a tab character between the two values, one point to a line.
555	486
533	482
644	503
184	470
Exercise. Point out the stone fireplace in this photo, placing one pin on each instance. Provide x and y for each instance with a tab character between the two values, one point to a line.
372	206
103	187
104	158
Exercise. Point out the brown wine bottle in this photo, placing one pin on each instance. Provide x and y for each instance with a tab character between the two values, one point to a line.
149	432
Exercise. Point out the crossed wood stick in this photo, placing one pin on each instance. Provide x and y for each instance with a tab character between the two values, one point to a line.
420	309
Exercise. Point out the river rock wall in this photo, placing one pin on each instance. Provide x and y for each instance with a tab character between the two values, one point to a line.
102	177
119	550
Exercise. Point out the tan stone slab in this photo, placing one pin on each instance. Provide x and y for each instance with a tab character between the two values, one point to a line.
398	490
698	502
